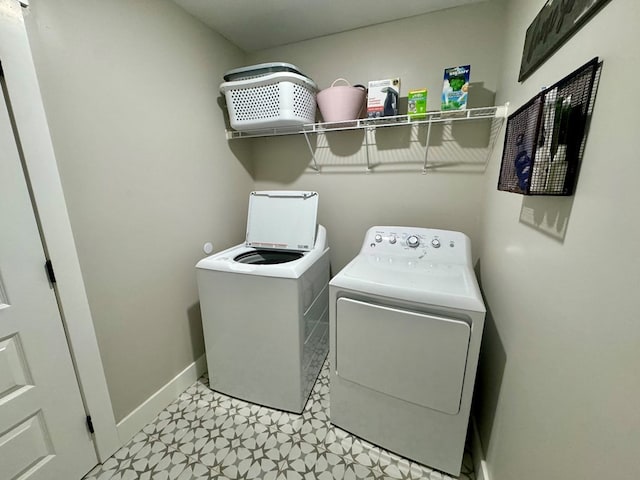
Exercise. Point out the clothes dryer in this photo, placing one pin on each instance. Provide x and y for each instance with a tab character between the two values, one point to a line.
406	320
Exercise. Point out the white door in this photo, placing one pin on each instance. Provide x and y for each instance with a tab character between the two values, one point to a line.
43	432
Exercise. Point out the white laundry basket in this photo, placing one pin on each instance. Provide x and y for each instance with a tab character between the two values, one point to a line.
273	100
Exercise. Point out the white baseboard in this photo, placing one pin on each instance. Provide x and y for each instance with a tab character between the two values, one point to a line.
479	462
152	406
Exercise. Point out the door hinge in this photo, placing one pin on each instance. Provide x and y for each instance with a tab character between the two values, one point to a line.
90	424
50	273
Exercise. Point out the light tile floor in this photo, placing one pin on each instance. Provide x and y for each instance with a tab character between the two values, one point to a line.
207	435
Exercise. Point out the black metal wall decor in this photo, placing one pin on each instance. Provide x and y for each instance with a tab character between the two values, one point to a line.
554	24
545	138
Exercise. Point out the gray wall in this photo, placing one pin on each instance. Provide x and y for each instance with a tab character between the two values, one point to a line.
559	385
416	49
130	90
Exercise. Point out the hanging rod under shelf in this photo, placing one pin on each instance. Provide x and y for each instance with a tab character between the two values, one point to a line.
499	111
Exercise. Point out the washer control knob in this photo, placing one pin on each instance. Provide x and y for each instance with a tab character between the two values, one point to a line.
392	239
378	238
435	243
413	241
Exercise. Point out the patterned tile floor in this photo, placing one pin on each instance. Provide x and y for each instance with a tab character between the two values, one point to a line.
207	435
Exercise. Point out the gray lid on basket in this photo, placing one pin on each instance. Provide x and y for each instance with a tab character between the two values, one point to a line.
259	70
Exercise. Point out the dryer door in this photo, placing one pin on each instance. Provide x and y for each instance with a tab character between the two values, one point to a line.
416	357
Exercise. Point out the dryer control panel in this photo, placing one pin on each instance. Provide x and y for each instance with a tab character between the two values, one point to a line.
437	245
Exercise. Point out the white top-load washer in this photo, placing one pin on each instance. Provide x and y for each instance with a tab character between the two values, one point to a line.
406	320
264	303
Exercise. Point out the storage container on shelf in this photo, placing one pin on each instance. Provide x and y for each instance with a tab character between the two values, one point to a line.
340	103
260	70
269	95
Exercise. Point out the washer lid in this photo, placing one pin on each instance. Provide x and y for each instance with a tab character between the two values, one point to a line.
282	220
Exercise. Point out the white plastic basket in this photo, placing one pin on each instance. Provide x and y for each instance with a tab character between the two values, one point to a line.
275	100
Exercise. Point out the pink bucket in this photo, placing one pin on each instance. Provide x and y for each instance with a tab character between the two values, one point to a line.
341	103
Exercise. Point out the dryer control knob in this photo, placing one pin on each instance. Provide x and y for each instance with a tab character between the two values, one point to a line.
435	243
413	241
392	239
378	238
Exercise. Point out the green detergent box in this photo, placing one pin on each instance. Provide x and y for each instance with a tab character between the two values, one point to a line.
456	88
417	103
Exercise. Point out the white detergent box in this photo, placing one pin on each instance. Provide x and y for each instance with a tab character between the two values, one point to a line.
382	98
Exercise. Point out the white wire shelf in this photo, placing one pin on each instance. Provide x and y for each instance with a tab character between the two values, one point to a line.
373	123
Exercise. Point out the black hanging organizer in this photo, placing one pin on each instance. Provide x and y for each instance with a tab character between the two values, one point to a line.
545	138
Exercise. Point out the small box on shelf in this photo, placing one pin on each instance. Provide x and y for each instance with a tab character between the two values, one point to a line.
417	103
382	98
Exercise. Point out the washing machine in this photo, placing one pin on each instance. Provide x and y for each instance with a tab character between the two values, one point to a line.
265	304
406	319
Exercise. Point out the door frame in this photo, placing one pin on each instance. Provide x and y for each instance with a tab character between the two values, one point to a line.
51	214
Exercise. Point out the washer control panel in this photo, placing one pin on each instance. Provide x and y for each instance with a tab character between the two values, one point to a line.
415	242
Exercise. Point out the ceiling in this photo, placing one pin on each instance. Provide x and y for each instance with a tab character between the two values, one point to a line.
258	24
